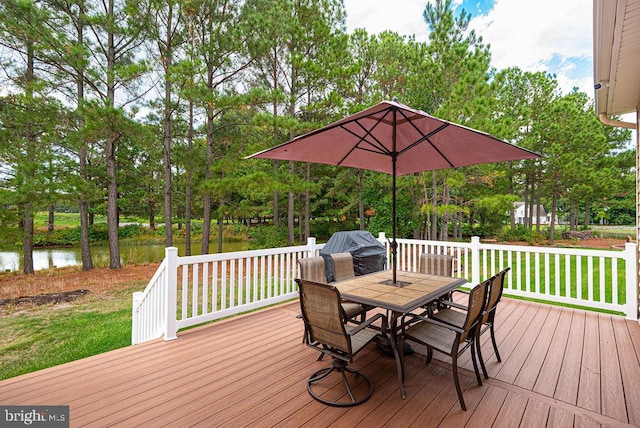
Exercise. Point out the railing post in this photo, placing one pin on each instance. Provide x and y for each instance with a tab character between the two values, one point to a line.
171	293
135	318
311	246
383	240
631	285
475	260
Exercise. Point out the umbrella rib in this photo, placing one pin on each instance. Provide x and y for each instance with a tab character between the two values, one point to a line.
377	146
426	138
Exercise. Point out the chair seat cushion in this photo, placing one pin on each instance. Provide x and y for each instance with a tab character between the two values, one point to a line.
440	338
451	316
361	338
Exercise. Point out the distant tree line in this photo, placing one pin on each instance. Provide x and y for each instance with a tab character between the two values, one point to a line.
149	107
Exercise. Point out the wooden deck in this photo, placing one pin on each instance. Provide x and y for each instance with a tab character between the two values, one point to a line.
561	367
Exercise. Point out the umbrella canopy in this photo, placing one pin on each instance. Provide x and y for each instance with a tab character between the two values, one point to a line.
395	139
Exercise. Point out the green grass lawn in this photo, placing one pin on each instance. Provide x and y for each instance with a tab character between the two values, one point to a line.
41	219
35	338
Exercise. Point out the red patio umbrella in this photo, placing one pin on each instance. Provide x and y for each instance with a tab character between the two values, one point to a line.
395	139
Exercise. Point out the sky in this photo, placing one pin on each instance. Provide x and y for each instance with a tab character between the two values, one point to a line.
535	35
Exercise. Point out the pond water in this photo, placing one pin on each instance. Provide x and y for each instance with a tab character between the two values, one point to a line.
48	258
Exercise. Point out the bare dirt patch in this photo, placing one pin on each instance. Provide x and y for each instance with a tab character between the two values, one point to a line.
66	283
598	243
43	299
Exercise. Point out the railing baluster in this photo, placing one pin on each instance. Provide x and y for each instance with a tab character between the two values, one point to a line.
602	281
214	286
614	281
223	285
194	290
185	291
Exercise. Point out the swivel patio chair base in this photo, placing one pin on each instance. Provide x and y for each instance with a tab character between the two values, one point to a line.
340	366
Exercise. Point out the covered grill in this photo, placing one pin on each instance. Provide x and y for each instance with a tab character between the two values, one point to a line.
369	255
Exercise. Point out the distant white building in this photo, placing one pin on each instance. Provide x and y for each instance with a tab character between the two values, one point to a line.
538	218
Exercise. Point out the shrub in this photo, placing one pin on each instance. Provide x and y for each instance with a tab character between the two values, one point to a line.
522	233
267	237
71	236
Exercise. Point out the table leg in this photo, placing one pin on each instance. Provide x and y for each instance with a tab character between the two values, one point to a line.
396	353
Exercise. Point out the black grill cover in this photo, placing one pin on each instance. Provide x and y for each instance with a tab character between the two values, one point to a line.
369	255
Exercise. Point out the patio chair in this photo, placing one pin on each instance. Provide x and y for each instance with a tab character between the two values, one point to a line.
456	313
436	264
343	270
313	269
445	338
326	331
342	266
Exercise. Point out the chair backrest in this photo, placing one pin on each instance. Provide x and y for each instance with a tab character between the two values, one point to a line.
322	315
476	306
313	269
494	294
436	264
342	266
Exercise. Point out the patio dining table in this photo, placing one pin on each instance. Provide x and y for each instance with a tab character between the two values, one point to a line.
412	290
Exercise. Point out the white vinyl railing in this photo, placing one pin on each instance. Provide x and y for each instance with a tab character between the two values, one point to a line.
198	289
593	279
187	291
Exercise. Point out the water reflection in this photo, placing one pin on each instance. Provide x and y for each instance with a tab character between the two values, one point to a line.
49	258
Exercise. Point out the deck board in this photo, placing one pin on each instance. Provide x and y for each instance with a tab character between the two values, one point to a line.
550	371
629	369
589	389
560	367
569	377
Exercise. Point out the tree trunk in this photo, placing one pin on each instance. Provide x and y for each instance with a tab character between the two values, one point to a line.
51	220
206	218
27	238
187	203
290	213
512	212
87	263
152	217
220	230
110	155
276	212
552	222
27	208
525	208
445	217
434	214
586	213
538	211
532	199
112	206
166	123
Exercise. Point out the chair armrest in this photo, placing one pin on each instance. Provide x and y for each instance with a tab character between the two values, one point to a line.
454	304
432	321
368	322
445	325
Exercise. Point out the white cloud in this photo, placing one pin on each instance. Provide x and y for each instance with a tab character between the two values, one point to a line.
542	35
402	16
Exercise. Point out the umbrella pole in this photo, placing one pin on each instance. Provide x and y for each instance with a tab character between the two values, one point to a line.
394	158
394	243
